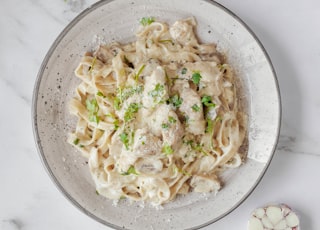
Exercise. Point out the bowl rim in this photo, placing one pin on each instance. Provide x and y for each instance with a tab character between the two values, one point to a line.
34	110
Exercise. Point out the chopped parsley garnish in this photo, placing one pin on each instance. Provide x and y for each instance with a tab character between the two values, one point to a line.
207	101
100	94
115	120
131	110
199	148
125	140
131	90
211	124
209	127
165	125
116	124
93	108
131	170
179	170
157	93
124	94
172	120
139	72
167	40
167	150
116	103
76	141
184	172
176	101
196	78
195	146
146	21
184	70
195	108
186	118
188	142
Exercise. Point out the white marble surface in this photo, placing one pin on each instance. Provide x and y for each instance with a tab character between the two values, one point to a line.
289	30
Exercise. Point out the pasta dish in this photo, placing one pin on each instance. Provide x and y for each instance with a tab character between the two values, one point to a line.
159	116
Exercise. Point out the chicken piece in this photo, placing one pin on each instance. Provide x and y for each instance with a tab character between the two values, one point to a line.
172	130
210	77
191	107
182	32
202	183
149	165
145	143
140	144
165	123
155	89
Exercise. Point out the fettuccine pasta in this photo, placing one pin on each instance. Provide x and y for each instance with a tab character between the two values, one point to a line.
159	116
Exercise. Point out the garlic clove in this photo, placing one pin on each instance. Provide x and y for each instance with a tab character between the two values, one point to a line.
274	214
266	222
259	213
292	220
255	224
282	225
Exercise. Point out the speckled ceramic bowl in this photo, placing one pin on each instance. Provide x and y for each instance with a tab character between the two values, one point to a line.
117	20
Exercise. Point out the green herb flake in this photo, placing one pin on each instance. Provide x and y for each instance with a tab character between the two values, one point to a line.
176	101
100	94
157	93
126	60
195	108
167	40
172	120
165	125
97	192
199	148
211	124
139	72
167	150
94	118
184	70
76	141
209	127
186	118
125	140
188	142
184	172
207	101
116	124
131	170
132	109
146	21
93	108
124	94
196	77
130	91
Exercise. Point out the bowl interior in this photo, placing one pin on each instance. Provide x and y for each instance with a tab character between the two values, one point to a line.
109	21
